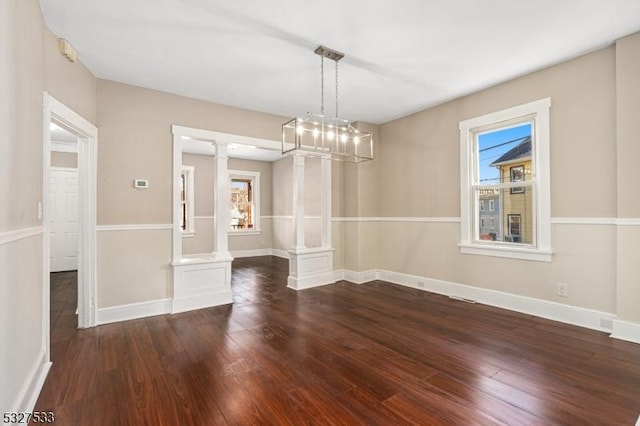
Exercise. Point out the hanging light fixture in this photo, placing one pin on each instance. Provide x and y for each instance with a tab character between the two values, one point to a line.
318	134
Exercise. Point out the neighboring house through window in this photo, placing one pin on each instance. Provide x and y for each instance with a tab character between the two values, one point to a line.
505	167
245	201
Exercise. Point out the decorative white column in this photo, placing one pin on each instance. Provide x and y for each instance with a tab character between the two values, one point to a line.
204	280
221	197
310	267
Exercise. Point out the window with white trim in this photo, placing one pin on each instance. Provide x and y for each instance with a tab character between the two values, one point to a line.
505	161
245	201
187	201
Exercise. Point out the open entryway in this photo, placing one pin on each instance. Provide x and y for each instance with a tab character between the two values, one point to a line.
69	211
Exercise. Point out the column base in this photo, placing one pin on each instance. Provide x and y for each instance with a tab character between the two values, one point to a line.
310	268
201	281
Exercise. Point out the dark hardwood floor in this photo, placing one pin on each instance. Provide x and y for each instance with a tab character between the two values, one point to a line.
340	354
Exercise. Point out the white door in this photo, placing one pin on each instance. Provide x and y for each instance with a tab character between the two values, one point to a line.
64	219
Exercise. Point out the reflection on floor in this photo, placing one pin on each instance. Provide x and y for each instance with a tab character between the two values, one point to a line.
339	354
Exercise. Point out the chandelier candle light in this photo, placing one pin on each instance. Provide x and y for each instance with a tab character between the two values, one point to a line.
319	135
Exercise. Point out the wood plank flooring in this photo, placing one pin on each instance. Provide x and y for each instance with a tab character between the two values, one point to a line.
343	354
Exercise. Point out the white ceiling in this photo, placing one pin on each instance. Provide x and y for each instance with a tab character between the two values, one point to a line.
401	56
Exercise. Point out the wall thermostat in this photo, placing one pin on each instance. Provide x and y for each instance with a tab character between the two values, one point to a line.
141	184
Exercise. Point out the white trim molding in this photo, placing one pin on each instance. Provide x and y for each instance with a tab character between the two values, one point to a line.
628	221
227	138
283	254
8	237
625	330
583	221
30	391
254	177
399	219
251	253
135	227
536	114
133	311
87	144
356	277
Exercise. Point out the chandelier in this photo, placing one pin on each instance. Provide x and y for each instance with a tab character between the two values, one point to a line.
320	135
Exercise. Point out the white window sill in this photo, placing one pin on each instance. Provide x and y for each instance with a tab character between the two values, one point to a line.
522	253
188	234
237	233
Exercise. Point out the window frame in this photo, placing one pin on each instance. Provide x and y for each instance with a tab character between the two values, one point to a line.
189	172
538	114
254	176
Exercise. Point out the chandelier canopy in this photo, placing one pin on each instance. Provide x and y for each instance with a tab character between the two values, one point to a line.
321	135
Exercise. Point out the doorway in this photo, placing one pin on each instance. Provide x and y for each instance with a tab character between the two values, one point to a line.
78	242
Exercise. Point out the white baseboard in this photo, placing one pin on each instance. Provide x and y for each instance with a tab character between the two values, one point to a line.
251	253
280	253
625	330
311	281
133	311
201	301
588	318
30	390
356	277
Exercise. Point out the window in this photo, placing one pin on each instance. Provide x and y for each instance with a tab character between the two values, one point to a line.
514	227
505	161
245	201
186	201
517	175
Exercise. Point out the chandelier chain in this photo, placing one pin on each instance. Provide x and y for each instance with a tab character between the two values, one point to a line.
337	89
322	85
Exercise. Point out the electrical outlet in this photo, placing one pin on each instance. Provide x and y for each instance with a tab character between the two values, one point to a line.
563	290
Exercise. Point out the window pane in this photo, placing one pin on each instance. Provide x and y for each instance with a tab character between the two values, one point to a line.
498	150
241	204
512	219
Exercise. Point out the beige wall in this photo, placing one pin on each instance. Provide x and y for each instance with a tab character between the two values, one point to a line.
282	203
26	53
266	180
22	77
133	266
203	183
360	196
64	159
136	142
418	175
264	240
628	152
70	83
204	177
21	85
